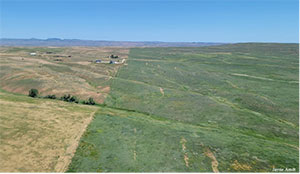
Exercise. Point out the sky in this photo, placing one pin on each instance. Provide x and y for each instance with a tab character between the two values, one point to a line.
152	20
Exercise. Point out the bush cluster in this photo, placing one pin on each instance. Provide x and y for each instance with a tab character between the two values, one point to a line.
50	96
67	98
90	101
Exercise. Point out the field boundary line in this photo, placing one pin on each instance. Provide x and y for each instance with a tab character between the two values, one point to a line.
64	161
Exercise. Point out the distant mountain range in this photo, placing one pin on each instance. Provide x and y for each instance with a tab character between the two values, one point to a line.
98	43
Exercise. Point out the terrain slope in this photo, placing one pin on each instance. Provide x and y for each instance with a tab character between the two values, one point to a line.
226	108
39	135
229	108
59	70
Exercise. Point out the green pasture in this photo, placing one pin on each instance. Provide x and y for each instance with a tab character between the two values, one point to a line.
238	100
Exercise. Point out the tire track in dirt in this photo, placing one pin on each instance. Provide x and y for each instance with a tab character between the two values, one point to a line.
134	144
185	157
214	162
263	78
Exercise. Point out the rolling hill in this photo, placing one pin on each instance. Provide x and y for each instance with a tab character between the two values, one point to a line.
229	108
220	108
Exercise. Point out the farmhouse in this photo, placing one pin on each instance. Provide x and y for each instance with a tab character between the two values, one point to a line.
120	62
32	54
109	61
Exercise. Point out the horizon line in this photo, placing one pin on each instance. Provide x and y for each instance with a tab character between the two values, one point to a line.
221	42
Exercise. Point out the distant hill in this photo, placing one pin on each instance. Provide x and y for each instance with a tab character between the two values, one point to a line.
98	43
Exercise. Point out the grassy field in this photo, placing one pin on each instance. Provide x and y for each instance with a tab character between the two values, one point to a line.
229	108
75	75
39	135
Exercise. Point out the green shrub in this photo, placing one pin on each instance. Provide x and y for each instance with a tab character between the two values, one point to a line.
69	98
90	101
33	93
113	56
74	99
66	97
50	96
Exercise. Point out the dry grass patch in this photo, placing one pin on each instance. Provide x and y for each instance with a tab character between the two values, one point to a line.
75	75
39	135
240	167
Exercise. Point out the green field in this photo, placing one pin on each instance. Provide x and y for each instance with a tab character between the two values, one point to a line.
229	108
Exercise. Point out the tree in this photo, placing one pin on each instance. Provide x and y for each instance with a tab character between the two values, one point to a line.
66	97
113	56
33	93
74	99
69	98
91	101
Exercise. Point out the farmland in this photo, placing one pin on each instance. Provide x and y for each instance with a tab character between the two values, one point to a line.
58	70
39	135
222	108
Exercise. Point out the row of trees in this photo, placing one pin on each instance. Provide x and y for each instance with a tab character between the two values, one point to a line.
68	98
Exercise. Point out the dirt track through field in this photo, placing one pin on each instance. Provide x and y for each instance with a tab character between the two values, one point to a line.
134	144
185	156
214	162
262	78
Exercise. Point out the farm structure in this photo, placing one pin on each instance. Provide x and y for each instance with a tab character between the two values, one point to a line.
109	61
123	61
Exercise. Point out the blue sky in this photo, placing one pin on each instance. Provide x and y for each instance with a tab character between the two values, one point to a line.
152	20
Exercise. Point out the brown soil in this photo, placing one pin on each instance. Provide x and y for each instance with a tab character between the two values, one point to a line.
162	91
214	162
185	156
